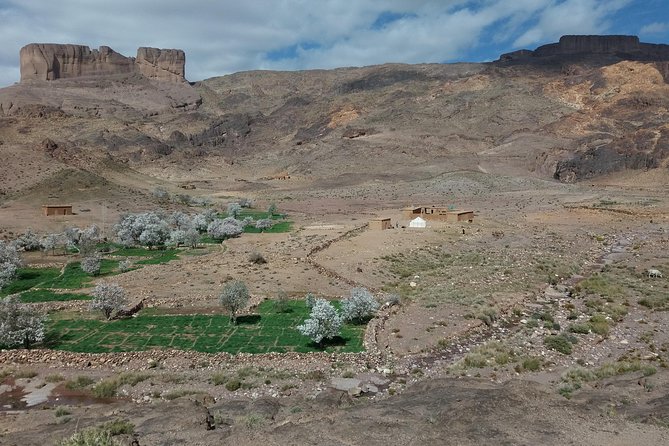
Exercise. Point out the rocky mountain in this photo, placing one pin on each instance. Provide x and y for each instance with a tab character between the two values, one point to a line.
577	109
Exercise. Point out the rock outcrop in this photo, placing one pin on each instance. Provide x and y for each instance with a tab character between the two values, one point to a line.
50	61
167	65
627	47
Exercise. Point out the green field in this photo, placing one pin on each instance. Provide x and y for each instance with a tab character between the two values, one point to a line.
33	296
28	278
265	331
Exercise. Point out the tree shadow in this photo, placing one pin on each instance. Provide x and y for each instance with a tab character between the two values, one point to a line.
248	319
337	341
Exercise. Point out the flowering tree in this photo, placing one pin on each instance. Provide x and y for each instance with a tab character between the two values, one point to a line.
20	324
109	298
9	263
234	209
222	229
264	223
92	264
234	297
324	322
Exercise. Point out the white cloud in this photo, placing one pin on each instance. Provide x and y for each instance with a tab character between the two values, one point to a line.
655	28
570	17
227	35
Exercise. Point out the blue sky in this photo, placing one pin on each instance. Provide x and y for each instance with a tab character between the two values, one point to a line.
226	36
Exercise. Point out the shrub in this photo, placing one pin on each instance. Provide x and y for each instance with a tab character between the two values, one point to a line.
281	302
118	427
360	306
124	265
579	328
106	388
109	298
90	437
219	378
233	384
234	297
324	322
257	258
559	343
532	364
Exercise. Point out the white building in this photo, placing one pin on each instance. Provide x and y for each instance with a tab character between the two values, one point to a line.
418	222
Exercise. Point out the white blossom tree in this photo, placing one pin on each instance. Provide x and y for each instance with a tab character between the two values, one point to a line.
9	263
264	223
20	324
28	241
234	297
234	209
177	237
191	238
361	305
145	228
92	264
222	229
108	298
323	323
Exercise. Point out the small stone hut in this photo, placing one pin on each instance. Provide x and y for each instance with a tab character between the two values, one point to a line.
380	224
53	209
460	216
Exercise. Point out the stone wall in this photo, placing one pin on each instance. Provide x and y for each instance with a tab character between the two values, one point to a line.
51	61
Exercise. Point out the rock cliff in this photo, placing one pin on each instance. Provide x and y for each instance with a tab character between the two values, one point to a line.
627	47
49	61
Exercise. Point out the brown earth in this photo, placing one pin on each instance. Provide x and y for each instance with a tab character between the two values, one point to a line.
334	149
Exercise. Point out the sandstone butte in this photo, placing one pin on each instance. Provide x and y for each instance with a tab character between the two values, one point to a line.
51	61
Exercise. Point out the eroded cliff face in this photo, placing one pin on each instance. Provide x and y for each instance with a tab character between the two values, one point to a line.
50	61
168	65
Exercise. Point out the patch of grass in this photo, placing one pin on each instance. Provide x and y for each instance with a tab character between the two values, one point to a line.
79	383
267	331
601	284
284	226
487	355
33	296
574	378
54	378
174	394
25	374
28	278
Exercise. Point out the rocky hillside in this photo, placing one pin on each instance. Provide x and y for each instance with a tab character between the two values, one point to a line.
586	106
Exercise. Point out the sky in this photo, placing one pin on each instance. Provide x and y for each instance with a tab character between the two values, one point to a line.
227	36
